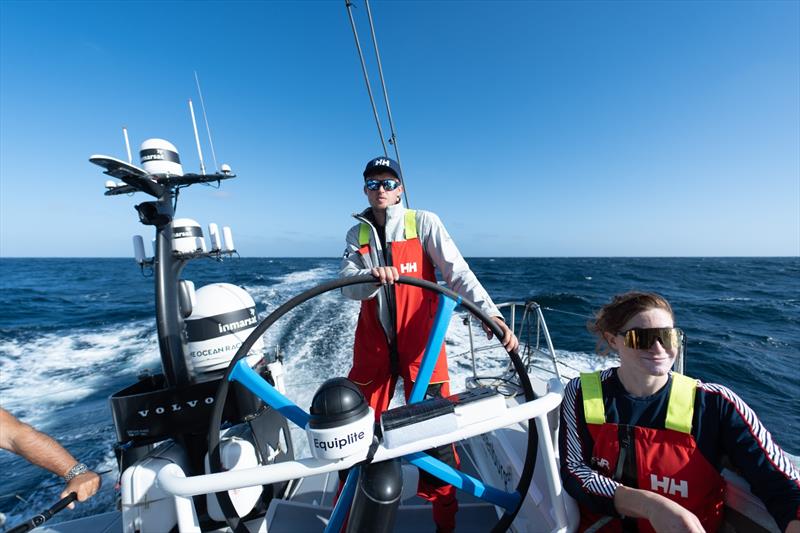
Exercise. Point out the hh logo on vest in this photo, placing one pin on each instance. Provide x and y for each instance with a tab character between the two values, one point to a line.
669	486
408	267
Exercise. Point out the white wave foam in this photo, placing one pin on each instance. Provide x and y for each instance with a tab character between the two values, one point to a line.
312	277
491	358
57	368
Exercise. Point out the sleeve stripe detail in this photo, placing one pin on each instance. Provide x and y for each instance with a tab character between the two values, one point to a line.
772	451
590	480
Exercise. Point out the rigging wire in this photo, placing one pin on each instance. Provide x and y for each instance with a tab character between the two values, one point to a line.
393	138
349	4
205	119
590	317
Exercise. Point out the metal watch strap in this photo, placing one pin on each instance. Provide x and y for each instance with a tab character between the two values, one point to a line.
76	470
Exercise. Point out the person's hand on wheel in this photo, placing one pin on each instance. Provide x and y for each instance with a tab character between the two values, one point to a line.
386	275
509	340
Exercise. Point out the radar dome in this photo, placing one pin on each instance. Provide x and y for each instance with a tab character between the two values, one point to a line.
187	236
222	318
160	158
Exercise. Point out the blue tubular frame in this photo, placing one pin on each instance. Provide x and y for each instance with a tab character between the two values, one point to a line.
257	385
243	374
462	481
434	346
340	510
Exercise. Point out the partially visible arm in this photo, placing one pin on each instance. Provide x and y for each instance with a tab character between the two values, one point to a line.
448	259
456	272
352	264
588	486
663	513
42	450
35	446
759	459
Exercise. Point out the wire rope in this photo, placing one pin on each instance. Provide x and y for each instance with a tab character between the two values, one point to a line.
349	4
393	138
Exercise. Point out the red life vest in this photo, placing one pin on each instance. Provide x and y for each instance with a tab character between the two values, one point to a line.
666	461
415	311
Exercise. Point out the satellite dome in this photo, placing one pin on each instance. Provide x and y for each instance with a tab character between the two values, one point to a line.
160	158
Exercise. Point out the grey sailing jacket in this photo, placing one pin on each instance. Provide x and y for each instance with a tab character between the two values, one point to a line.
438	246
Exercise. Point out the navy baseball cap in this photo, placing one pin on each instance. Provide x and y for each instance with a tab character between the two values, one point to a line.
382	164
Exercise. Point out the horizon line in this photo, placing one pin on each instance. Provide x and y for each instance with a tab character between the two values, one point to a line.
466	257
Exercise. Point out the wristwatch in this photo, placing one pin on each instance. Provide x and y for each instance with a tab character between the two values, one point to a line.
76	470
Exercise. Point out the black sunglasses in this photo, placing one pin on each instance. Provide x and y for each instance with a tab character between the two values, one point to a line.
388	184
644	338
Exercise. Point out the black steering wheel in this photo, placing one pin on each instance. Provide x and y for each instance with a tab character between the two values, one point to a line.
219	401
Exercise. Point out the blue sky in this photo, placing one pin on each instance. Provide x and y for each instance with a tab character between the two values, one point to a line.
531	128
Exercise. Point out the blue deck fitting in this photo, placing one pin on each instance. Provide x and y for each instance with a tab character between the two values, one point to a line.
344	502
462	481
258	386
434	346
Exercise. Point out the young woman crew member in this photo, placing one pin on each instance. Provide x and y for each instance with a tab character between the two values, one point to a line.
643	446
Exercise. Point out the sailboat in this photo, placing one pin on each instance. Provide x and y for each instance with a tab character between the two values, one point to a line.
210	443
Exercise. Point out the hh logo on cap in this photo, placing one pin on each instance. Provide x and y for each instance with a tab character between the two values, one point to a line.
381	163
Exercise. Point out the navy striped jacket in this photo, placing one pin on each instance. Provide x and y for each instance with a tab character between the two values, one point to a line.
726	430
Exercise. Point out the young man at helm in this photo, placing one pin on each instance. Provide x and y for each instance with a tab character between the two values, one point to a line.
396	320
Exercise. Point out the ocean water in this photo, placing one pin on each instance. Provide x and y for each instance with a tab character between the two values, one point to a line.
74	331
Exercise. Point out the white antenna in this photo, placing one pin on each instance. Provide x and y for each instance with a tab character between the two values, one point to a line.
205	119
127	144
197	138
213	235
227	239
138	249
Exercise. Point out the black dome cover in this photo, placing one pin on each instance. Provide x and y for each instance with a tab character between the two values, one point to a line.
337	402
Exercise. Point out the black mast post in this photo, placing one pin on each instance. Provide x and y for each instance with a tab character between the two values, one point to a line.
171	339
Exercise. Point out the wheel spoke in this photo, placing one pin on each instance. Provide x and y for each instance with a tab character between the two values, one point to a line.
462	481
257	385
434	346
344	502
239	371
